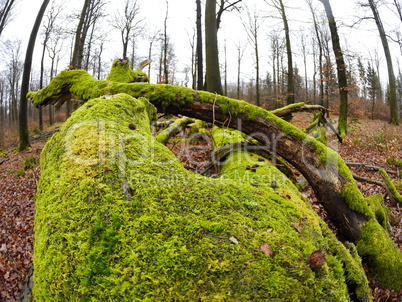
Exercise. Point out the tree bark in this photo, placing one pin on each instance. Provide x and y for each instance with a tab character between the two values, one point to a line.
290	97
394	120
76	60
341	68
23	118
199	56
213	75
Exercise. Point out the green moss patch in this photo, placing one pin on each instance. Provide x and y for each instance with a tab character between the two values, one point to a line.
384	256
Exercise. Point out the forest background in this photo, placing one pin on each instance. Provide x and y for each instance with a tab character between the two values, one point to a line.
250	26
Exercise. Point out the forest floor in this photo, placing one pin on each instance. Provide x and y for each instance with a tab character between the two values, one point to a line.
368	142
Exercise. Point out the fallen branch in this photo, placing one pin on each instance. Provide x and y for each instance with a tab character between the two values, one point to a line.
369	167
393	193
369	180
298	107
176	127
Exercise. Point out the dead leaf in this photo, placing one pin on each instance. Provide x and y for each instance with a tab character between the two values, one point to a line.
297	226
234	240
266	249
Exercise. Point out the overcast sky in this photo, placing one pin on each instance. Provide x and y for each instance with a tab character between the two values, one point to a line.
363	40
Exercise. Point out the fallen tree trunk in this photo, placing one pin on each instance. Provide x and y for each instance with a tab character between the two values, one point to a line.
324	169
118	218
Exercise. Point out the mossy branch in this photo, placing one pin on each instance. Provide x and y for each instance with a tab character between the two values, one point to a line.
393	192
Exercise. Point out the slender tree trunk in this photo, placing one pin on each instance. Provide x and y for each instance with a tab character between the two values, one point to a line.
391	75
42	71
165	46
76	61
225	81
290	96
213	78
257	71
23	118
341	68
5	14
200	62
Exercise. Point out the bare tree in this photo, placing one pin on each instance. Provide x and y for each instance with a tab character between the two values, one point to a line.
240	52
49	28
304	54
388	57
252	26
199	52
152	38
320	49
341	68
14	67
290	96
91	11
128	23
23	119
163	76
6	10
225	5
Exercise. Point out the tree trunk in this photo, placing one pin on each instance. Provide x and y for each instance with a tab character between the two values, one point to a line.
321	166
23	119
76	60
5	14
391	75
132	222
213	76
341	68
199	56
290	96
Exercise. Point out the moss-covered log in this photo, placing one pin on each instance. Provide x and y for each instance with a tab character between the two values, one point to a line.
119	219
322	167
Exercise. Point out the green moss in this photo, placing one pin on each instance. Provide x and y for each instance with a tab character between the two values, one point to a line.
382	213
122	73
168	236
30	162
391	186
384	256
19	173
395	162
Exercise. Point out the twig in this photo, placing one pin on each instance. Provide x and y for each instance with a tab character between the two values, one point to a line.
369	167
369	180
